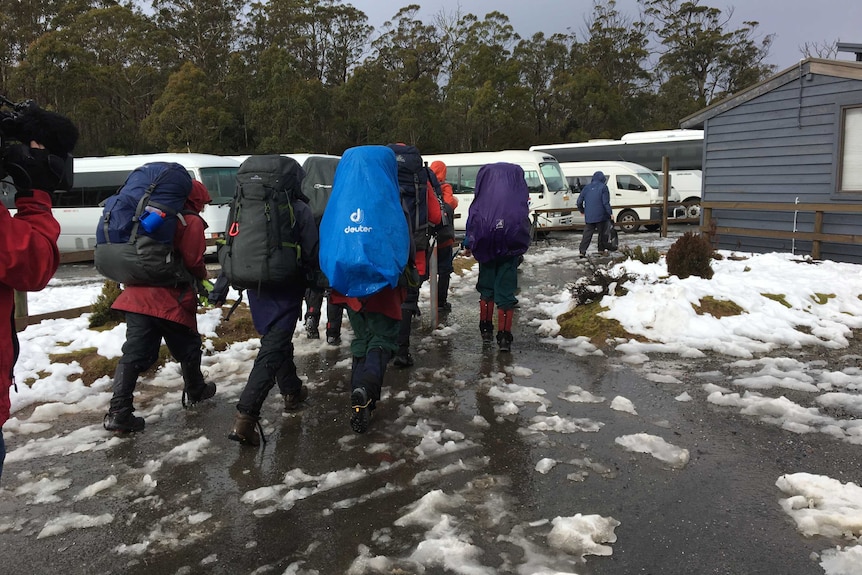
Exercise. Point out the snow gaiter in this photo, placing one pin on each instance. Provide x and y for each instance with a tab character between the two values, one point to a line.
125	379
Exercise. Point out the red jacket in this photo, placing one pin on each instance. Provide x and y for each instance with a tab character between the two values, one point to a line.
387	302
178	304
439	169
28	259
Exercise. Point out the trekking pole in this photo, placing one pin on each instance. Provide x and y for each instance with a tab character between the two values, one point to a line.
456	252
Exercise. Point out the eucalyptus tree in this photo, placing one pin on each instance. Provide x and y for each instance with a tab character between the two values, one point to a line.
104	69
398	83
325	37
296	54
541	62
698	45
204	32
485	99
190	116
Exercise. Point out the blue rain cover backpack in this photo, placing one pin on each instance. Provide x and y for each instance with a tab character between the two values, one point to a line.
364	238
126	251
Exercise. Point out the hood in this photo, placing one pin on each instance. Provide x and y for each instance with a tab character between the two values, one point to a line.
198	197
599	177
439	169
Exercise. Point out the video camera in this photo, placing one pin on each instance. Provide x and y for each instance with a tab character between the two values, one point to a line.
26	122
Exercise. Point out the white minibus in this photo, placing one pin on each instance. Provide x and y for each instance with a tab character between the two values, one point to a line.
548	188
630	185
97	178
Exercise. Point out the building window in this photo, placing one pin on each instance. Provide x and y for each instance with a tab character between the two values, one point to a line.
851	150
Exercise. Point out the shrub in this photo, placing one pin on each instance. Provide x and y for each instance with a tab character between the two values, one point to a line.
102	312
650	256
690	256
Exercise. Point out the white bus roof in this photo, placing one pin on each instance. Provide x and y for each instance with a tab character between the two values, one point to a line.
512	156
300	158
631	138
660	135
101	163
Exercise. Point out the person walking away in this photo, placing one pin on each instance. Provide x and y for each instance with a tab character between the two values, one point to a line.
317	187
154	313
445	238
497	235
420	201
28	245
366	264
594	202
275	310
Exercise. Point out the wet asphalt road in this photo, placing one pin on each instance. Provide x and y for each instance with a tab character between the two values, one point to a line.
717	515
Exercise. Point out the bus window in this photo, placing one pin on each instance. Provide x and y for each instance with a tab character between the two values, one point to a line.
90	188
534	182
553	177
220	182
625	182
466	183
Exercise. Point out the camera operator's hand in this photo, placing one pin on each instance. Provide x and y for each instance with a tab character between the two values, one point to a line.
33	167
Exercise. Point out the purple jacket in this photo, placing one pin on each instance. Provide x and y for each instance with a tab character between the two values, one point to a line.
498	224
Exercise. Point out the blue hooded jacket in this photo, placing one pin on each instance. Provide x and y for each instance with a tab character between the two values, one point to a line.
595	200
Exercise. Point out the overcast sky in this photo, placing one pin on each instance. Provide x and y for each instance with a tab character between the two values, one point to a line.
794	22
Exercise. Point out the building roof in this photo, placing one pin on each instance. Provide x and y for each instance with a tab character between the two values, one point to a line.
835	68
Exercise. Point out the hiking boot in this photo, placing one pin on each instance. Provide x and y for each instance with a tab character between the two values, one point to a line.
444	307
206	391
403	359
123	422
504	340
311	325
245	430
333	340
486	328
293	401
360	410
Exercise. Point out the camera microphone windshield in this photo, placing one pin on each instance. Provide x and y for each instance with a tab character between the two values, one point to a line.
31	123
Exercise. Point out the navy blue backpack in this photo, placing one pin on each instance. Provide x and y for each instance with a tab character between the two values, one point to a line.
126	251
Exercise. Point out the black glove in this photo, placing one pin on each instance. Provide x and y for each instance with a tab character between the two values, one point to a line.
35	168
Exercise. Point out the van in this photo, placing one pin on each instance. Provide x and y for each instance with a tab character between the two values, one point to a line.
548	187
635	191
688	184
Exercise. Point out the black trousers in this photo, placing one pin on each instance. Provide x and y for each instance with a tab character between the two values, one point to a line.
273	366
144	334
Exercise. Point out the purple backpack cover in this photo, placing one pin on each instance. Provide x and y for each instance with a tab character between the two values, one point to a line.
498	224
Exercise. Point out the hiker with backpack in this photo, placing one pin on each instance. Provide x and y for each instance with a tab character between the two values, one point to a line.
498	234
366	252
317	186
445	236
423	213
271	251
28	240
163	309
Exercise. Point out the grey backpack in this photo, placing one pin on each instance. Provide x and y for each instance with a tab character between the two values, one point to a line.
262	247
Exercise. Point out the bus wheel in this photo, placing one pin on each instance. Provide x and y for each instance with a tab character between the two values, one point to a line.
628	221
692	207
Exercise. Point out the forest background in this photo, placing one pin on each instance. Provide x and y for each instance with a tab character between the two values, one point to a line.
233	77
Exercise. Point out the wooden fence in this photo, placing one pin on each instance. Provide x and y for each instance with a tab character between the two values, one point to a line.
816	237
